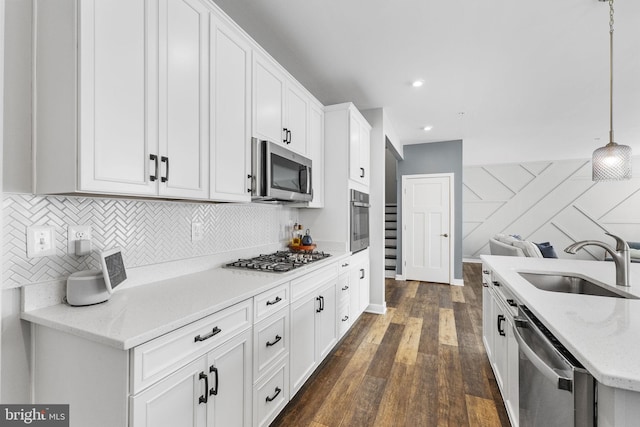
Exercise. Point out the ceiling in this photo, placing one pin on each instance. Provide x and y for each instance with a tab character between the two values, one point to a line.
515	80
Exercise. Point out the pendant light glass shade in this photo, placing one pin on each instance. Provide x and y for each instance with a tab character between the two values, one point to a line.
612	163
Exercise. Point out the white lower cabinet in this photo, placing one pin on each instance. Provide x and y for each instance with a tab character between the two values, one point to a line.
313	329
213	390
237	367
500	344
271	395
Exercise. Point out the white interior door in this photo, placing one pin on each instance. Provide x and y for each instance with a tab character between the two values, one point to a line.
426	235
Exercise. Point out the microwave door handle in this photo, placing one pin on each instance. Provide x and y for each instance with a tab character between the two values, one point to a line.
309	186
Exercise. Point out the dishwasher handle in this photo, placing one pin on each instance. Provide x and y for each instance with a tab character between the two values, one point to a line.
563	383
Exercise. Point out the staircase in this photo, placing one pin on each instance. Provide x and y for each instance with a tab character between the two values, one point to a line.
390	239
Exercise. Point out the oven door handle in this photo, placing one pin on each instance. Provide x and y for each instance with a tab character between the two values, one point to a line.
361	205
563	383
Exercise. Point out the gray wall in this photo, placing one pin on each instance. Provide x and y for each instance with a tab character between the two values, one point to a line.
390	184
435	157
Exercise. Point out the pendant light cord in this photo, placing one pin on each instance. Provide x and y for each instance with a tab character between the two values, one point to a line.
611	71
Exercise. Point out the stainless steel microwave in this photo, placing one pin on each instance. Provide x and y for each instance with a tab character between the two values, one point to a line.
279	174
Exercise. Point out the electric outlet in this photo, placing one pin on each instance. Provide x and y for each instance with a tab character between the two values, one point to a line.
197	231
41	241
77	232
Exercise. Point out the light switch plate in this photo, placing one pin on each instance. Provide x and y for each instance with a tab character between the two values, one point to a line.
41	241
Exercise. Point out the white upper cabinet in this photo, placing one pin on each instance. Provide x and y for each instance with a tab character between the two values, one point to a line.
280	107
230	113
121	95
183	102
316	152
157	98
268	101
359	146
297	109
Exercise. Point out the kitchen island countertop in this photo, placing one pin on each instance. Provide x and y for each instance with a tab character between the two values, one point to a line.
138	314
603	333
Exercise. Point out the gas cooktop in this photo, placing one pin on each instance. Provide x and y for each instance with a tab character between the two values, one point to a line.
279	262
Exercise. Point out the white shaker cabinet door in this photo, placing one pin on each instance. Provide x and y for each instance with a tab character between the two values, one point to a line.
230	114
303	341
268	101
326	320
297	121
183	81
178	400
316	152
230	379
365	154
113	112
355	172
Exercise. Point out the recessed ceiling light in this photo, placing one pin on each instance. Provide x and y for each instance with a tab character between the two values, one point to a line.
418	83
427	128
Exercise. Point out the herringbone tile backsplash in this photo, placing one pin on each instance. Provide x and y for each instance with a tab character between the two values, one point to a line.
149	232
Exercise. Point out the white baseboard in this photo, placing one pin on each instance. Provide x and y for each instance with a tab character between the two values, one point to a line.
377	308
457	282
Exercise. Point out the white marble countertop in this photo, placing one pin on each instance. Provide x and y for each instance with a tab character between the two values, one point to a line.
603	333
138	314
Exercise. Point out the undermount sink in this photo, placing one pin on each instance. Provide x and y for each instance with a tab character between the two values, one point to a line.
571	285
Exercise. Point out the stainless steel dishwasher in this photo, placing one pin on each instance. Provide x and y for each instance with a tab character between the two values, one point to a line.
555	389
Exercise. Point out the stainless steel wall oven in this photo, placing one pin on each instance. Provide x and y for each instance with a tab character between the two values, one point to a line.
359	221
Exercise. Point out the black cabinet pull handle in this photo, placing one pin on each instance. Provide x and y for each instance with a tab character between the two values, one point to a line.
485	271
345	318
165	178
501	319
205	397
275	301
214	389
272	398
278	338
321	303
285	130
362	273
154	158
512	303
496	283
346	264
288	136
361	172
214	331
319	309
345	288
485	285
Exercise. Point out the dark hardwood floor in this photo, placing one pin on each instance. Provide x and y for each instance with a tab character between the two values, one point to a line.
421	364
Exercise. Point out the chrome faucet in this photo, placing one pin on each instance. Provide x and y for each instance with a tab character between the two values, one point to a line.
621	256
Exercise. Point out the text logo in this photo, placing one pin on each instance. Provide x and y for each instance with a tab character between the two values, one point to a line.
34	415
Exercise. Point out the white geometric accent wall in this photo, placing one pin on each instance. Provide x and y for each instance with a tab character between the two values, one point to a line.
553	201
150	232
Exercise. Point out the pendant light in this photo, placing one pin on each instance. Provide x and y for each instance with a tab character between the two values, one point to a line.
613	161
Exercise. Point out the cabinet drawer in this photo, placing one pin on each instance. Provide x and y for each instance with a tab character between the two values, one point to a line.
309	282
157	358
270	342
271	395
343	288
345	265
271	301
344	319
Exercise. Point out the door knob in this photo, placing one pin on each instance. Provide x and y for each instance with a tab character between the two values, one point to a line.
445	235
